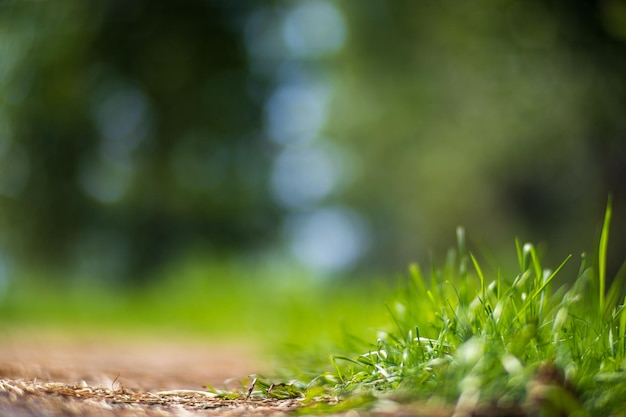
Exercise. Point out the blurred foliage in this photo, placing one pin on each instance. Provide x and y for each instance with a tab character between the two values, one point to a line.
134	131
503	116
128	134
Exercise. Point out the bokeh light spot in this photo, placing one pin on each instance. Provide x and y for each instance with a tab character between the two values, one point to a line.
328	240
295	113
123	119
304	176
314	28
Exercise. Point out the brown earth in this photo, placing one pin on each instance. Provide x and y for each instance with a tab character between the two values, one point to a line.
55	374
51	373
108	360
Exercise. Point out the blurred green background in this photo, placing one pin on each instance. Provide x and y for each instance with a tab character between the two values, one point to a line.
196	163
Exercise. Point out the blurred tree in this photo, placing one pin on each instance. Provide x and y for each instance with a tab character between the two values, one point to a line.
505	117
133	130
128	133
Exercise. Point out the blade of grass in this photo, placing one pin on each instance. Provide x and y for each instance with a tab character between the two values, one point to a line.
418	279
480	276
520	254
604	241
536	265
622	332
551	276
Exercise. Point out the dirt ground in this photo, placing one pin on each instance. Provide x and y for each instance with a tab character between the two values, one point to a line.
52	373
56	374
148	362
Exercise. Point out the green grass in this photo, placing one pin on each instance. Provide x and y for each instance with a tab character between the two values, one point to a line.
458	334
468	337
277	308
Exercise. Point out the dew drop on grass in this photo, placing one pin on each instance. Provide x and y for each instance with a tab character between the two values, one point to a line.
511	364
471	351
400	309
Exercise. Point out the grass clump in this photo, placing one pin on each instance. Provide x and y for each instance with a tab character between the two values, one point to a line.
464	336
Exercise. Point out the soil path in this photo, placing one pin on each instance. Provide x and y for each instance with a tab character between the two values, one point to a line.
148	362
56	374
51	373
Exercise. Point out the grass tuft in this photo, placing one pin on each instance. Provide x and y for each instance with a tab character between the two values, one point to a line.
474	337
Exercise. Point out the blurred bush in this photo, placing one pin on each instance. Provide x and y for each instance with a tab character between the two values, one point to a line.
129	133
352	133
506	117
